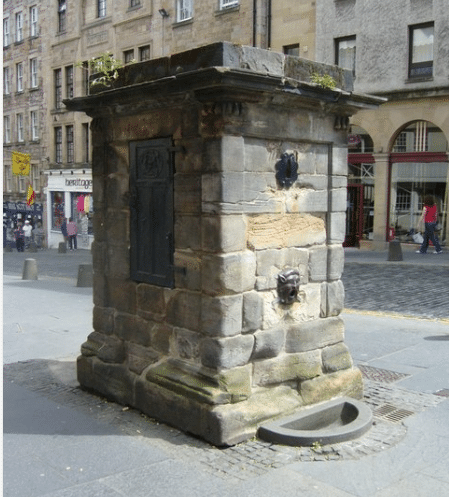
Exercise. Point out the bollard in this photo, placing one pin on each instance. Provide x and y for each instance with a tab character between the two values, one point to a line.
394	251
85	275
29	269
62	248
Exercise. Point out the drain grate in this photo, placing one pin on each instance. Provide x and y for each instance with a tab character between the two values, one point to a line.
381	375
392	413
442	393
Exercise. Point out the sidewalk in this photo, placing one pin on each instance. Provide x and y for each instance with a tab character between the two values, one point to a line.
60	441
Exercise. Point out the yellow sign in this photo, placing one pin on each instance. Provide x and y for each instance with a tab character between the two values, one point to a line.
20	164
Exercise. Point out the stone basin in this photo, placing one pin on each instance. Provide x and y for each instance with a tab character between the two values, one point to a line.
334	421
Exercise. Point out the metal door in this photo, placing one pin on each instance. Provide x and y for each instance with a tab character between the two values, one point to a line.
151	187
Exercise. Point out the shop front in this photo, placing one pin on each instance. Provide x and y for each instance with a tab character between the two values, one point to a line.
69	195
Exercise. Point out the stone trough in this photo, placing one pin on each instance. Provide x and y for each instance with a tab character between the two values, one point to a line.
219	183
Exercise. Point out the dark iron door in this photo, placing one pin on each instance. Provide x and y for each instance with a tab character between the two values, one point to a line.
151	186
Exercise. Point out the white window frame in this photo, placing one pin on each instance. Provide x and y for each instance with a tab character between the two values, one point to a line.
33	73
8	178
34	18
35	177
19	126
184	10
34	125
19	27
6	129
19	77
6	32
6	81
226	4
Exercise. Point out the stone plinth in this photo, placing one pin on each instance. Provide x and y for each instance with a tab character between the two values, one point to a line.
213	171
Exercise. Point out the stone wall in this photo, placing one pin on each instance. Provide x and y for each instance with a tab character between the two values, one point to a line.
219	353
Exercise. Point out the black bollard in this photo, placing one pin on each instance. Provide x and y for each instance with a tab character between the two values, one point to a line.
395	251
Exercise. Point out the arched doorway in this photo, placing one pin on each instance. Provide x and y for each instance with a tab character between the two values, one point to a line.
418	167
360	199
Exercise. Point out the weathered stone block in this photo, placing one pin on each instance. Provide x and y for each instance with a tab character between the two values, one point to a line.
150	299
184	310
333	295
252	315
132	328
139	358
222	188
121	294
103	320
226	353
258	159
187	194
268	343
186	344
118	266
221	316
307	200
342	383
161	334
188	232
274	231
229	273
339	199
287	367
224	154
223	233
188	274
340	161
107	348
337	227
311	335
318	264
336	262
336	357
237	382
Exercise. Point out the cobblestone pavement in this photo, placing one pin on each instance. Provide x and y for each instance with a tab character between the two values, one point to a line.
405	289
240	462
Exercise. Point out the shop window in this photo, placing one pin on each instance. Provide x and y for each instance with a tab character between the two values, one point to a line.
57	210
82	210
345	49
421	39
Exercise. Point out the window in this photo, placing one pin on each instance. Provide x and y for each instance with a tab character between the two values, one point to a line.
58	145
134	3
184	10
69	144
19	27
101	8
34	31
85	142
69	81
8	176
19	77
57	210
421	51
33	73
128	56
291	49
345	53
6	129
144	53
85	70
34	125
62	8
35	177
228	3
58	88
19	122
6	37
6	79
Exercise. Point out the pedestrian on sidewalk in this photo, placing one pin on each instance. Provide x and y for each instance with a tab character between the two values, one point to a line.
72	231
64	231
19	236
27	229
430	218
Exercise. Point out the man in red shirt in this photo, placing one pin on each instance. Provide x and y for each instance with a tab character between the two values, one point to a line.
429	218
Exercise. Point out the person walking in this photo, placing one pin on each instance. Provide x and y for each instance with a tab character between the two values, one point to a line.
64	231
19	236
430	218
72	231
27	229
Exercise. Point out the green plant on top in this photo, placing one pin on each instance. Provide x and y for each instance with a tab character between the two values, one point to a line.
325	81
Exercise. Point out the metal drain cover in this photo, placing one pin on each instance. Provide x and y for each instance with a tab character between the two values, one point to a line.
392	413
381	375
